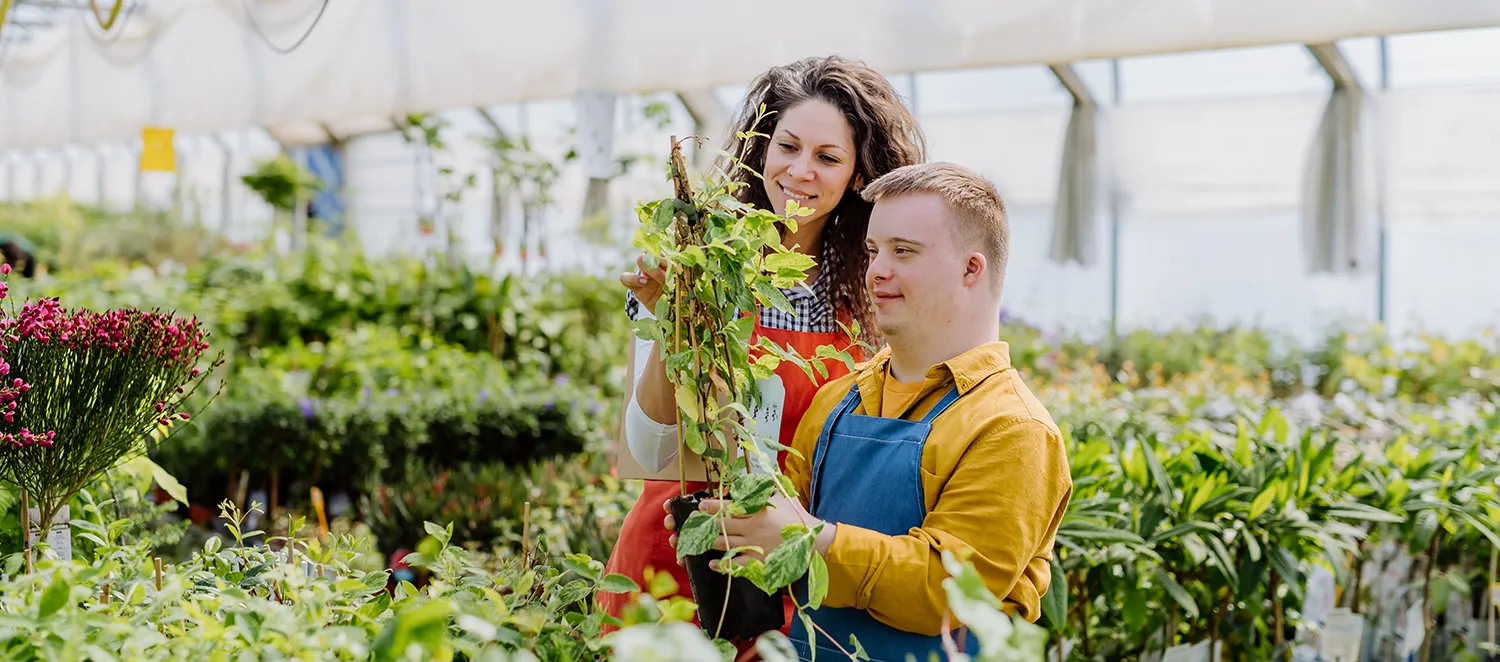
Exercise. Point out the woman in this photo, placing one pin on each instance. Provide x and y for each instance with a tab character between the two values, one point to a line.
834	126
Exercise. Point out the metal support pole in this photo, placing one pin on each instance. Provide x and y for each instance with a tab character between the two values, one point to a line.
226	209
1114	217
1382	282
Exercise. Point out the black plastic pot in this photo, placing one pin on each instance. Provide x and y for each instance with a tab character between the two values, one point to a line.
750	613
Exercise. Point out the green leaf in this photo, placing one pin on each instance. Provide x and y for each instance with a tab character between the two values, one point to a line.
789	561
616	583
576	590
442	534
817	582
1178	593
687	403
375	581
166	481
661	217
1262	502
772	296
1286	565
581	565
375	607
859	649
789	260
1222	560
1440	591
696	535
1055	600
661	584
1425	525
1158	472
1487	530
1252	544
774	646
1361	512
1242	453
753	491
53	598
1135	608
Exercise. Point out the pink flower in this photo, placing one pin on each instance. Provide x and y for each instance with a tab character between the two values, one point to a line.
5	269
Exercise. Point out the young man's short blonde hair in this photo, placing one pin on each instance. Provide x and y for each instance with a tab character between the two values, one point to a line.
974	202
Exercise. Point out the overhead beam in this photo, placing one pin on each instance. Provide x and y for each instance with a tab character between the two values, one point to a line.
489	118
1070	80
704	108
1333	62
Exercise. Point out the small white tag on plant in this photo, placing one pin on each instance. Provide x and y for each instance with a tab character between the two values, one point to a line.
59	536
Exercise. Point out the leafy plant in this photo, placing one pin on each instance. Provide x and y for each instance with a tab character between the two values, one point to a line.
723	257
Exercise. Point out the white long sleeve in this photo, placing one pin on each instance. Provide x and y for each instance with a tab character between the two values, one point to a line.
652	444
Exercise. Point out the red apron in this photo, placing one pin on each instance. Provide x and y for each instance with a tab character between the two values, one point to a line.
644	539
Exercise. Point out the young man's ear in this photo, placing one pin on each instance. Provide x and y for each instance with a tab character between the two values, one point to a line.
976	269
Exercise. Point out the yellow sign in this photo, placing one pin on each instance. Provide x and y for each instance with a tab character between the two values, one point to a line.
158	153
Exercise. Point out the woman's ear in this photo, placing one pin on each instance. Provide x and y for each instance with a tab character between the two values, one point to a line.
858	183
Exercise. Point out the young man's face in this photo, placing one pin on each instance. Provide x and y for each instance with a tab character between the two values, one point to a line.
917	269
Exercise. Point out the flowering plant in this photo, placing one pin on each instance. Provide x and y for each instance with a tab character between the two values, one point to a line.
83	390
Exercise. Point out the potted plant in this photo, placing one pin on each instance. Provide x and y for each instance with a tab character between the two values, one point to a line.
725	258
83	390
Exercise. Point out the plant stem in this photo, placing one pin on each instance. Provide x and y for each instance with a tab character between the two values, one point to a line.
1083	627
1490	598
1279	635
1359	578
1428	623
26	528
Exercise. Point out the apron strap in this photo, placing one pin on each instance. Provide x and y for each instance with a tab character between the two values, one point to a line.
820	451
948	399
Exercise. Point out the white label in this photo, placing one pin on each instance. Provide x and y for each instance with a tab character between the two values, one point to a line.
59	537
1195	653
1320	589
1416	630
765	421
1343	636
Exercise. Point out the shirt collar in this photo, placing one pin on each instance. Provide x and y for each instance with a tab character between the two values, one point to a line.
965	371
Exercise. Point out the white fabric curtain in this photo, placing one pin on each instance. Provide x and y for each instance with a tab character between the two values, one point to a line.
1075	216
1336	223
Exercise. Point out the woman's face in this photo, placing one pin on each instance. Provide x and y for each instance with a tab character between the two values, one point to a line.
810	159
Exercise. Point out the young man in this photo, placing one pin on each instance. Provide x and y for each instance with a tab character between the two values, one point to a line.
935	444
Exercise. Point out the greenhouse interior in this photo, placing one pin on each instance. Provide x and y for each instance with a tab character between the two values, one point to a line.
497	330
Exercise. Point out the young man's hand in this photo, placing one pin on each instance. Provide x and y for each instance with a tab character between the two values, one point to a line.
762	529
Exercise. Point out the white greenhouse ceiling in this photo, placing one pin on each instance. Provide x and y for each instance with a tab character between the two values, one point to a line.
215	65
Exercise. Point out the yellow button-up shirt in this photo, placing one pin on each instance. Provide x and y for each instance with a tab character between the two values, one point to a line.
995	479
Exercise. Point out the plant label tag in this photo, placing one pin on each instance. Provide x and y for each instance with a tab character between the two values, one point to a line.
1416	630
59	537
1187	653
1320	595
765	421
1343	636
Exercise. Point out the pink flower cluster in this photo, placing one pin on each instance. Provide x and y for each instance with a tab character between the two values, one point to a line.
172	338
27	438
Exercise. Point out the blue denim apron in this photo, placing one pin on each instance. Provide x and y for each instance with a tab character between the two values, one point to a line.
867	472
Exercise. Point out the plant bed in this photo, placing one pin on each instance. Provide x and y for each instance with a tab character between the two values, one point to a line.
731	608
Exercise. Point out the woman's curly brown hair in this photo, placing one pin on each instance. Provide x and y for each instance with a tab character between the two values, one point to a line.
886	137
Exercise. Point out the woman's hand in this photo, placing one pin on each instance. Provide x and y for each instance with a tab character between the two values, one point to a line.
646	284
